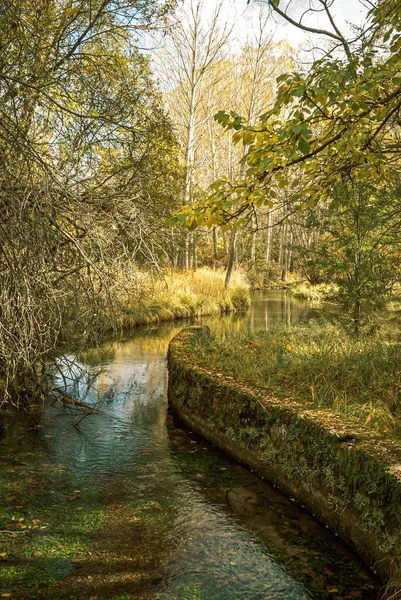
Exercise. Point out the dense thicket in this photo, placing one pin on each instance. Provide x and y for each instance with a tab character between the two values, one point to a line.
89	171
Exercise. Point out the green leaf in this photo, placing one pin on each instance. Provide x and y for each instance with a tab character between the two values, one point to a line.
298	92
304	146
220	115
281	77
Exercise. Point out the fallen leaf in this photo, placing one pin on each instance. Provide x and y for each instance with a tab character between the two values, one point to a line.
38	554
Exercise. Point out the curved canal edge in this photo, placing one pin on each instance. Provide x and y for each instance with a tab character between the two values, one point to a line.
346	475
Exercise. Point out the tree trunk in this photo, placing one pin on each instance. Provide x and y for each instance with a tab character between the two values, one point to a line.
215	254
269	238
231	257
253	241
194	252
225	244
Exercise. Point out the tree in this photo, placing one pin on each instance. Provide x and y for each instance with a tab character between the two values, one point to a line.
357	247
333	127
338	121
194	46
81	126
244	80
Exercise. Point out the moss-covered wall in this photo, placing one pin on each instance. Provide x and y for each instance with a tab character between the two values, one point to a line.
347	476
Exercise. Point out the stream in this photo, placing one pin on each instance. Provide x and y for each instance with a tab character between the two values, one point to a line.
133	505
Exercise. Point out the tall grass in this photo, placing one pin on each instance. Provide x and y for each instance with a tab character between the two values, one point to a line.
186	295
314	293
317	363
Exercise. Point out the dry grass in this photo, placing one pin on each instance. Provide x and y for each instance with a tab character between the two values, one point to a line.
314	293
318	362
185	295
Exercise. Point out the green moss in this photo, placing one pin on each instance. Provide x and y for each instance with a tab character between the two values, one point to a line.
310	450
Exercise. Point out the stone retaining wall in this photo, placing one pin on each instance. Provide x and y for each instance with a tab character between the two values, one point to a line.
347	476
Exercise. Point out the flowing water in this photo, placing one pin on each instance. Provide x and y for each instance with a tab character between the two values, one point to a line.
132	505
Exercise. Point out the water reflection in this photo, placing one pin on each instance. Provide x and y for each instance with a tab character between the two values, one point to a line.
209	529
268	308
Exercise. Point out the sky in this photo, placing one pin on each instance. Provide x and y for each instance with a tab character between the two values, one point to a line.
246	15
246	18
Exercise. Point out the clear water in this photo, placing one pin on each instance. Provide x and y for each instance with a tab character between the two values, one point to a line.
179	519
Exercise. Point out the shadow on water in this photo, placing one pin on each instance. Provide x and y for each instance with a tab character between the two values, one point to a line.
134	505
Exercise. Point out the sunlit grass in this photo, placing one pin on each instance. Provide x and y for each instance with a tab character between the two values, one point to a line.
318	363
186	295
314	293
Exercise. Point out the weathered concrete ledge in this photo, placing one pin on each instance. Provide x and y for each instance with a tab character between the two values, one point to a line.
347	476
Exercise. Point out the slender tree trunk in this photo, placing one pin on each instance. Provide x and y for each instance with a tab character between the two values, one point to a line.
231	257
215	254
186	257
281	247
194	252
269	238
288	252
253	241
284	253
225	244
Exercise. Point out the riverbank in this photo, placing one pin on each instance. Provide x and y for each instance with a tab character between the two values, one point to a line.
319	364
126	504
347	475
321	292
183	295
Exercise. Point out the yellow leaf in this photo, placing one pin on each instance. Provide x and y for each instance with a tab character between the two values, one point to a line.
289	348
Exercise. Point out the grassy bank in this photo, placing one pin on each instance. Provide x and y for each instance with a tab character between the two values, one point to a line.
186	295
319	364
314	293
